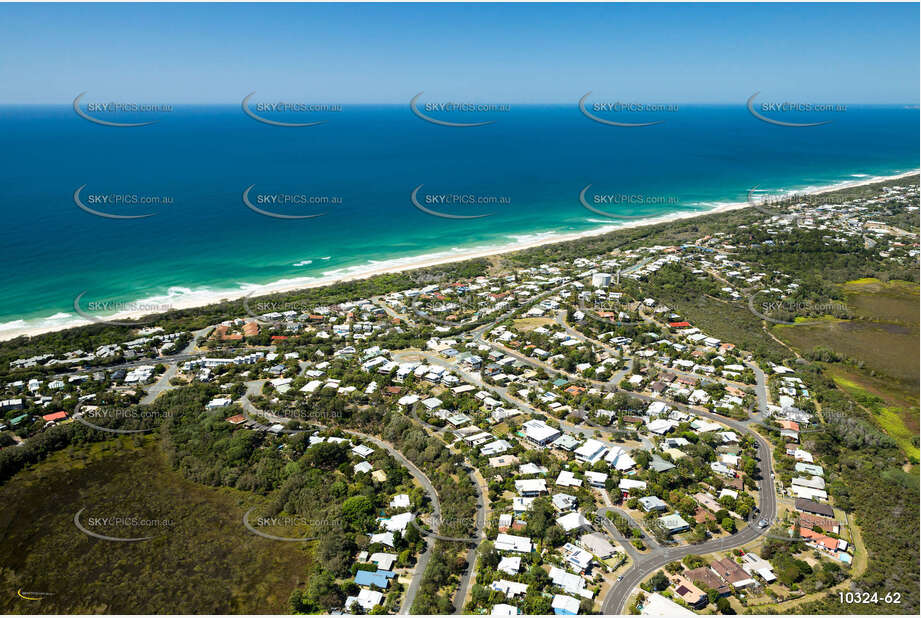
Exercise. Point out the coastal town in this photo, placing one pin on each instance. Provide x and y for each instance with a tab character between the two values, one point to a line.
618	456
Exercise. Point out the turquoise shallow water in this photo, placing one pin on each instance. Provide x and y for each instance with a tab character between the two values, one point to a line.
534	159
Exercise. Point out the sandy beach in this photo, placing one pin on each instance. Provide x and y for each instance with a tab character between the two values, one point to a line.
185	299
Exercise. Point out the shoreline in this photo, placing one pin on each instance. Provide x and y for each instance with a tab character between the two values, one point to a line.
204	297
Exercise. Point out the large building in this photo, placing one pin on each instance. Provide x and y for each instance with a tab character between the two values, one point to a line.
601	280
540	433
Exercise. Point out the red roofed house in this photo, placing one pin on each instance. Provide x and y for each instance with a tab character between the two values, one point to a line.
57	416
679	324
820	541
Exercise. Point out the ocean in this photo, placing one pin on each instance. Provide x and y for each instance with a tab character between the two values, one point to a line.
525	171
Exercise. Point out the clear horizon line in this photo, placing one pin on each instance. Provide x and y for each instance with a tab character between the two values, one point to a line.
467	102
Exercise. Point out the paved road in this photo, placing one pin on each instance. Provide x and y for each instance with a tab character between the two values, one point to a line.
254	386
467	578
162	384
616	599
617	596
648	539
424	481
760	389
481	513
190	351
612	529
380	302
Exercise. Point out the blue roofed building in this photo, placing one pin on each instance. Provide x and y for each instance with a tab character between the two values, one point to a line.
379	578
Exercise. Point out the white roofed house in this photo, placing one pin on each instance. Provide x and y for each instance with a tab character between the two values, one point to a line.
385	538
509	588
408	400
568	479
627	484
495	448
577	557
400	501
661	426
570	582
573	521
596	479
503	609
432	403
619	459
521	505
397	523
564	502
510	565
510	542
531	487
591	451
597	544
540	433
367	599
564	605
362	451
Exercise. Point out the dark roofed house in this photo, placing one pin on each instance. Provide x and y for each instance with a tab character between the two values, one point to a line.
810	506
811	522
706	578
702	515
732	573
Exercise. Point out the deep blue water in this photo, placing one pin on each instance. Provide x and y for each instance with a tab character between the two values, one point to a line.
372	157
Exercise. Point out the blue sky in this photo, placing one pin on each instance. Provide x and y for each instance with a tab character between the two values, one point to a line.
522	53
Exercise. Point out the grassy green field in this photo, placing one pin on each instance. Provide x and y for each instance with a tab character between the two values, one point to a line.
882	342
895	410
202	560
